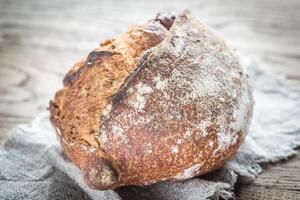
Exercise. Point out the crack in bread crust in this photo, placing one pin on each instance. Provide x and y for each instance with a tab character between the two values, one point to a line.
88	87
91	82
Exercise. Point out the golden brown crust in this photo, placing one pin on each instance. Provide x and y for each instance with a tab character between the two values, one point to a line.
90	83
184	111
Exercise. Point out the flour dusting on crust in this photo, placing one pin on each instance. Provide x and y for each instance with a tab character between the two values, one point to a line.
140	94
189	172
190	100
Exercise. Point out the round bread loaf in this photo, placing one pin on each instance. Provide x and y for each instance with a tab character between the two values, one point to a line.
168	100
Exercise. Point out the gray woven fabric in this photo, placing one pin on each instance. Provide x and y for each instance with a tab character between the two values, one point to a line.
33	166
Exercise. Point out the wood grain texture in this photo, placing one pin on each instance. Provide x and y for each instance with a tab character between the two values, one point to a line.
40	40
278	181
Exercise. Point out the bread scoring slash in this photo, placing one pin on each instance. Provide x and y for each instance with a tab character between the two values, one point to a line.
168	100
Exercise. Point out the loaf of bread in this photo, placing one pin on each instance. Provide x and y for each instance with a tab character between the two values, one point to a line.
168	100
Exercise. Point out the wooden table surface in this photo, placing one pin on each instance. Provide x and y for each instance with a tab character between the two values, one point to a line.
40	40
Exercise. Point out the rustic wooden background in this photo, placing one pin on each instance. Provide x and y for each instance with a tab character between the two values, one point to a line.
40	40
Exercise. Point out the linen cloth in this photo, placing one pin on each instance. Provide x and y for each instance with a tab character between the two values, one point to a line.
33	165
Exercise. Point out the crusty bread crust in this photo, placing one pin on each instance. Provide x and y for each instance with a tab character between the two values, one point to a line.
153	105
90	82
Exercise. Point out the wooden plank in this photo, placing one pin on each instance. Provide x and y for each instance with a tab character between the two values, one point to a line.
40	40
279	181
254	192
